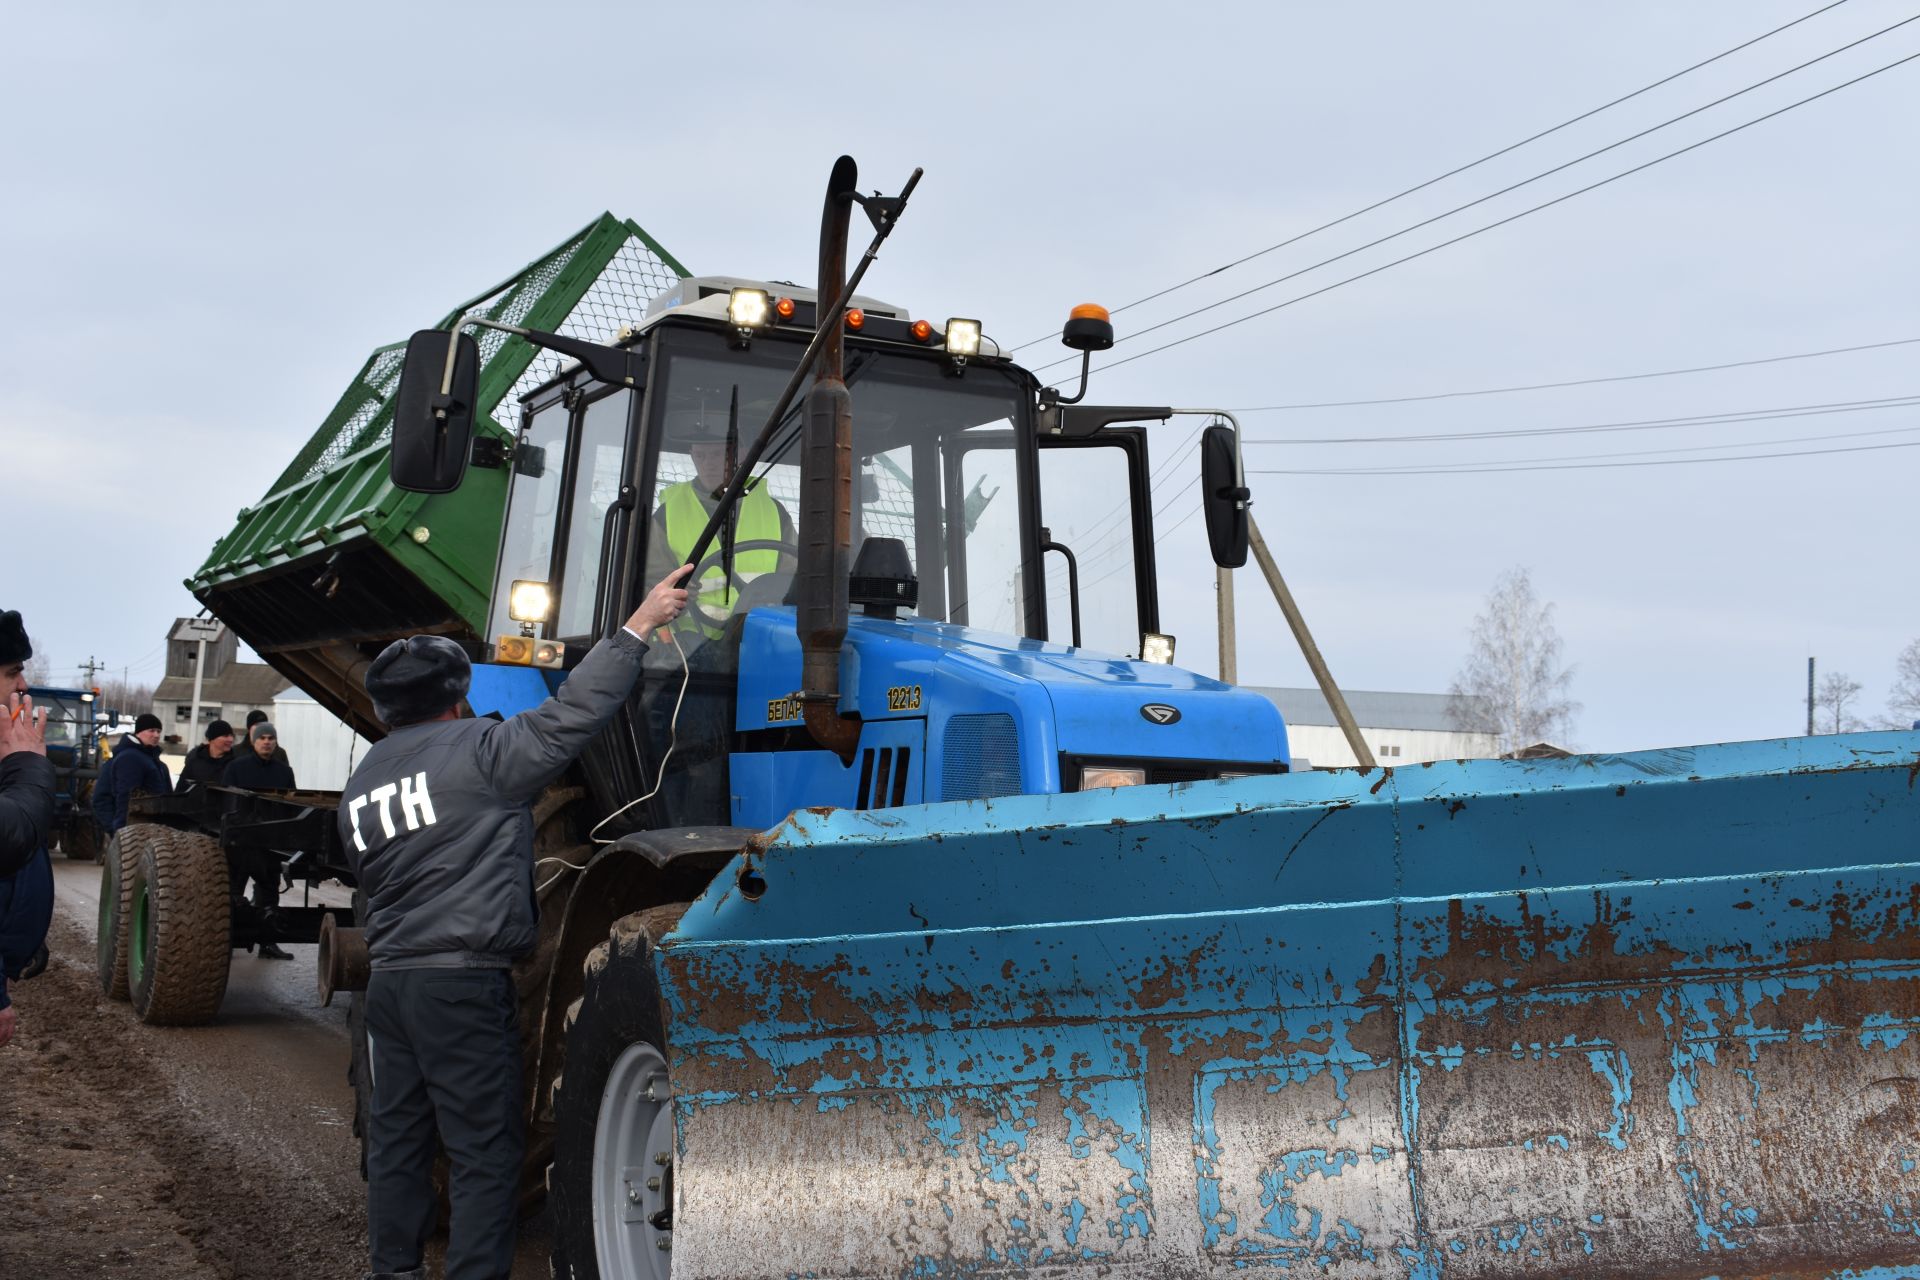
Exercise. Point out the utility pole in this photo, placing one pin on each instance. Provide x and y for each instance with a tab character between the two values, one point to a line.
91	666
1308	649
1809	697
1229	663
201	631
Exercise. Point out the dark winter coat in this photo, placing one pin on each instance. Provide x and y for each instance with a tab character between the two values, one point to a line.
26	910
437	826
246	770
134	767
26	808
202	766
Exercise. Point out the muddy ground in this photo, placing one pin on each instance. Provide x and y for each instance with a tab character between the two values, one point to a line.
188	1153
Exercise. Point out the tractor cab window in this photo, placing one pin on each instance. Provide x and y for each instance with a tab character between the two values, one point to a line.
937	461
600	470
533	506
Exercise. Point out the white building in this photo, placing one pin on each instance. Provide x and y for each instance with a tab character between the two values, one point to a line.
319	745
1400	728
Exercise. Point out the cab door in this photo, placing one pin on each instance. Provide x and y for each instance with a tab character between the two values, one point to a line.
1096	520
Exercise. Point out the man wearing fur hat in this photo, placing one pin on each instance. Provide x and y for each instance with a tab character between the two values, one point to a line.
135	766
26	811
437	824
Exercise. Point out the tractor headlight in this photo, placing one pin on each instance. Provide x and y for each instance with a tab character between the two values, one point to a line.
1106	775
1155	647
963	338
748	308
529	601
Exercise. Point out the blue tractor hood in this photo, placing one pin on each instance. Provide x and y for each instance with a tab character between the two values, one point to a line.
998	698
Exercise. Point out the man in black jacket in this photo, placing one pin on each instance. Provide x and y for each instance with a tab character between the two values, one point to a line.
437	824
26	812
261	767
208	762
135	766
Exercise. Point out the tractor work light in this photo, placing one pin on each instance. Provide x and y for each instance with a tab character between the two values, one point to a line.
525	651
963	338
1106	775
1155	647
529	601
748	308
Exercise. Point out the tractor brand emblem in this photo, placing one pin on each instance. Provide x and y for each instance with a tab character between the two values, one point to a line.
1160	713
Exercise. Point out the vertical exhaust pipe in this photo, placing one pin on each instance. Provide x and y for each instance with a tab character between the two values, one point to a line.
826	490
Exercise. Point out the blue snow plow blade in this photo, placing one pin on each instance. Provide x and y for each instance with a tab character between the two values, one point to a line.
1637	1015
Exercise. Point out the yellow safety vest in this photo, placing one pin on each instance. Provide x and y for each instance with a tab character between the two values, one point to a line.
757	519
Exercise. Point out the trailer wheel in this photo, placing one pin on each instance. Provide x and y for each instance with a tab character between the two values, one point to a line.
80	840
178	931
611	1183
115	890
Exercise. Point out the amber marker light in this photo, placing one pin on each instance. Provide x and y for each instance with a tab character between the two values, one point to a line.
784	308
922	330
856	318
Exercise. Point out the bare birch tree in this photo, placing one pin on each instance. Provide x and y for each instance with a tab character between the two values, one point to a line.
1833	704
1512	684
1903	701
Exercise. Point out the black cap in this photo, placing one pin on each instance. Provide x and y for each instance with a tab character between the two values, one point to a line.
417	678
255	716
218	729
14	645
144	721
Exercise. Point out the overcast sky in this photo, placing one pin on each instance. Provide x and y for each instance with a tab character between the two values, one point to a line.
213	213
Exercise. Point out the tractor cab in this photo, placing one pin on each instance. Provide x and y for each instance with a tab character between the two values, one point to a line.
998	574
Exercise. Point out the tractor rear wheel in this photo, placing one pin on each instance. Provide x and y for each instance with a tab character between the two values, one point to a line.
610	1186
178	930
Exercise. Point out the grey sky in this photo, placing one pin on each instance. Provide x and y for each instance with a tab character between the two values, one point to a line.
214	212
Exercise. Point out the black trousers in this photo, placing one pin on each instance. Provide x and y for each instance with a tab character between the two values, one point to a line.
446	1055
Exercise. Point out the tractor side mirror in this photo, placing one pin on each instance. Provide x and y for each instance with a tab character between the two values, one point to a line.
1224	496
433	412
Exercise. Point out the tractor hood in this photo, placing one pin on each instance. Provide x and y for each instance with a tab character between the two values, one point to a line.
1006	715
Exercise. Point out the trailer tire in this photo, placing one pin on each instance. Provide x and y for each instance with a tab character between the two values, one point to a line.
115	891
80	840
179	940
604	1123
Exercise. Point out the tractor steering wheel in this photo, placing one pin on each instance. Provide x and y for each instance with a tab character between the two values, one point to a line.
734	580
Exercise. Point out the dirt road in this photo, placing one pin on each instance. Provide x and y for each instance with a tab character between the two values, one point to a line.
219	1151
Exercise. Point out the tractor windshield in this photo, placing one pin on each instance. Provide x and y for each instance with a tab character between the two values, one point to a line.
937	460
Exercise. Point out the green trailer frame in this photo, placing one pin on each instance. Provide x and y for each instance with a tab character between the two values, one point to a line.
333	540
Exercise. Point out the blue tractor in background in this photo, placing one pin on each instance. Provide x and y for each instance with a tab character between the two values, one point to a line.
73	748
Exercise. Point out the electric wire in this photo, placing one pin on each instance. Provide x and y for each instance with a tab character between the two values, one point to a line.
1580	466
1472	164
1640	424
1514	217
1578	382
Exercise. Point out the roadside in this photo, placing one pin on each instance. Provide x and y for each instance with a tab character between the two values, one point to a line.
192	1152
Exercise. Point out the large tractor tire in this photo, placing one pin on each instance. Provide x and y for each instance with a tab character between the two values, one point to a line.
610	1187
116	875
178	936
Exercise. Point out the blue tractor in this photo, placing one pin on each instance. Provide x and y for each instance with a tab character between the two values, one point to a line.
73	748
920	918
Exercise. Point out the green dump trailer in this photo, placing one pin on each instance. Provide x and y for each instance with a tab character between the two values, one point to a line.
334	561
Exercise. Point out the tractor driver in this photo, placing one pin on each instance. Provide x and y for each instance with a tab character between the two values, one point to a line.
685	508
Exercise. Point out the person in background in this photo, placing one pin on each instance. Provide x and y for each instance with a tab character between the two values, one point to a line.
135	766
260	767
26	813
208	761
257	716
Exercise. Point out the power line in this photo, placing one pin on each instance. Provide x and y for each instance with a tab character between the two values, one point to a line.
1436	468
1580	466
1640	424
1468	235
1394	235
1491	155
1578	382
